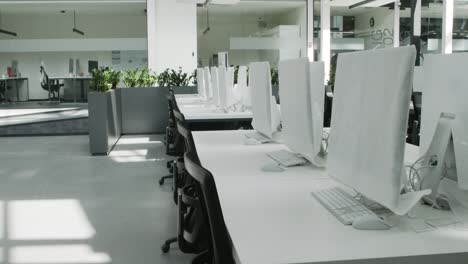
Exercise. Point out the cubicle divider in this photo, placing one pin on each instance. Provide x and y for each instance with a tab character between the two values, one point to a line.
127	111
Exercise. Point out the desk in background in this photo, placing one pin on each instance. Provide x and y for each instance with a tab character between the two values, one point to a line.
204	115
17	81
73	79
272	218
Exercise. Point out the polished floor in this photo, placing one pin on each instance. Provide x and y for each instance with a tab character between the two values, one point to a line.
58	204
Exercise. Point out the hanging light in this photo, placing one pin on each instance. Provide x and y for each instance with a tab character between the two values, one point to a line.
74	25
7	32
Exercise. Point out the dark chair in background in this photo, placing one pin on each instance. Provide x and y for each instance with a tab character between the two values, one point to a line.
55	85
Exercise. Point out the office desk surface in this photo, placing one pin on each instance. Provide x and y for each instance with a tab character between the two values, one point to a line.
196	109
71	78
272	218
13	78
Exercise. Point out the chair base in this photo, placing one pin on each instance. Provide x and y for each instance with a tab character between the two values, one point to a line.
164	178
167	244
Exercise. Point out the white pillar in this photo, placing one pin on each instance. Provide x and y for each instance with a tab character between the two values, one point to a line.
310	30
417	19
447	27
172	35
396	24
151	35
325	36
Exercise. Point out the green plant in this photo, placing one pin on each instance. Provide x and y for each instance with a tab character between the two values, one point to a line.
130	78
137	78
173	78
101	80
164	78
194	77
146	79
114	77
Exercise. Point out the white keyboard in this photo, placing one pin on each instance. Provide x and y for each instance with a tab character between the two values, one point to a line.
258	137
286	158
341	204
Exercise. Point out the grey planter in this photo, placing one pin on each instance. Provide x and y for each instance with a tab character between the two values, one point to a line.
145	110
104	122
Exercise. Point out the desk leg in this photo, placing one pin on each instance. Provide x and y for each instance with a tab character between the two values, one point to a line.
48	86
17	91
27	81
74	90
82	90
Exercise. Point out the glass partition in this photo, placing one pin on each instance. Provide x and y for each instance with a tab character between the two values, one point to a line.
68	40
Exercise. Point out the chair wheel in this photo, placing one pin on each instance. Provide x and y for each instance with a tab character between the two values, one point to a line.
161	181
165	248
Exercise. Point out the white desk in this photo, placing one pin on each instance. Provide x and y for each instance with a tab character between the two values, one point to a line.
196	109
17	80
73	79
272	218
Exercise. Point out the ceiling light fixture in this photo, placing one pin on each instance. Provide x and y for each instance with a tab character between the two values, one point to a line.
6	32
76	30
361	3
207	22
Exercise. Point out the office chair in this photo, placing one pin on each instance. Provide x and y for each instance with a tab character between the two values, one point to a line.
3	89
220	251
174	145
192	234
54	85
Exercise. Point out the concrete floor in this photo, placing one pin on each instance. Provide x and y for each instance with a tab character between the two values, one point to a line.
58	204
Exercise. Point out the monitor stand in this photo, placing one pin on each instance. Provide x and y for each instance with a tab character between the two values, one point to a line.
440	156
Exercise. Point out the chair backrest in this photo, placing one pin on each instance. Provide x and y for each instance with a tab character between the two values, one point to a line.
44	78
209	203
185	132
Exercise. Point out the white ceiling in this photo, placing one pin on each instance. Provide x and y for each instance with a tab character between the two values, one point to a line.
254	8
127	7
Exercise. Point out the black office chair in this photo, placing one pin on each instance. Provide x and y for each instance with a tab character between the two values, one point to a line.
174	144
192	231
220	251
54	85
3	89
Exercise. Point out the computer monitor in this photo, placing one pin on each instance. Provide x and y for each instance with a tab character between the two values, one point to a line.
266	117
243	88
369	122
215	84
201	83
231	100
222	87
302	91
444	91
207	80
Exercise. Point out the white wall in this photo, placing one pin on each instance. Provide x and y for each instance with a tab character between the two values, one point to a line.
297	17
381	35
60	26
218	38
172	35
226	26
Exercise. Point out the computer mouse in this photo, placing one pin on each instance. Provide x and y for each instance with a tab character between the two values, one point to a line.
370	222
251	141
272	168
